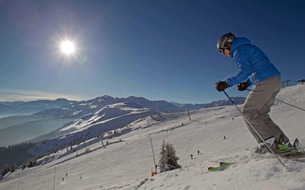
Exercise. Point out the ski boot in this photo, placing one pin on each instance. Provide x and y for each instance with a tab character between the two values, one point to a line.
285	147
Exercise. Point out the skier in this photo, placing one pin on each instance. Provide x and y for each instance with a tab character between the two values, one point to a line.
255	68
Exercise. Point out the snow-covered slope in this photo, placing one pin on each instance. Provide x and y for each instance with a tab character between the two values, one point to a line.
97	124
104	115
292	94
126	162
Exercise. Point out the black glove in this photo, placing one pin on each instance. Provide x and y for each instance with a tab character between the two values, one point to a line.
243	86
221	86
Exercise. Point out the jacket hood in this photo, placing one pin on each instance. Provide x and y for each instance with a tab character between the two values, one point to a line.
238	42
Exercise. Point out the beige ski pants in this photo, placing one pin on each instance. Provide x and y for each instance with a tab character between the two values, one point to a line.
257	107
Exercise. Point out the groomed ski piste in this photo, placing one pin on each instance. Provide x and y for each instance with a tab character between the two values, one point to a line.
219	133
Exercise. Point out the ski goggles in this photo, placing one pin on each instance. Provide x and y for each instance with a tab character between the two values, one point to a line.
221	50
220	47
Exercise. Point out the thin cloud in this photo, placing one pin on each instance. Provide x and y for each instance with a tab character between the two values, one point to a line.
28	95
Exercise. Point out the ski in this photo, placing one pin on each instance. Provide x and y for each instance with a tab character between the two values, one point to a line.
292	154
288	155
225	164
222	166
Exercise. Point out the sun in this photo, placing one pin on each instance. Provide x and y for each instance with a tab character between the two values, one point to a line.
67	47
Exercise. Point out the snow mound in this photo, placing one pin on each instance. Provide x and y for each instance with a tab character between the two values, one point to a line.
292	94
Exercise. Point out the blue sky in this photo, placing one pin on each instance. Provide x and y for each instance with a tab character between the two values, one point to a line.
157	49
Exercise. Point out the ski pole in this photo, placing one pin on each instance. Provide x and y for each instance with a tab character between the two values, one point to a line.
286	103
290	105
261	138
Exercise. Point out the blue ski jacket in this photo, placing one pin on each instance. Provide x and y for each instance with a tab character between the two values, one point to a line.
253	65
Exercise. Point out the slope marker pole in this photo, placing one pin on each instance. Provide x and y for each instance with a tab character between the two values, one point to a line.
152	149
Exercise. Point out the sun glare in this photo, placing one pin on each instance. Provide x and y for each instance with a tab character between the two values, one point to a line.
67	47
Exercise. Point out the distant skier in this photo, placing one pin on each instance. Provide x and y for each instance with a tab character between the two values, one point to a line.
191	156
255	68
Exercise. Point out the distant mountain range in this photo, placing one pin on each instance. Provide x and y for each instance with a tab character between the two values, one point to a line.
20	107
63	117
90	107
237	100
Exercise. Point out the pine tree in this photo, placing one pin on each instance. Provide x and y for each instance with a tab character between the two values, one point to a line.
13	168
163	158
168	159
172	159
